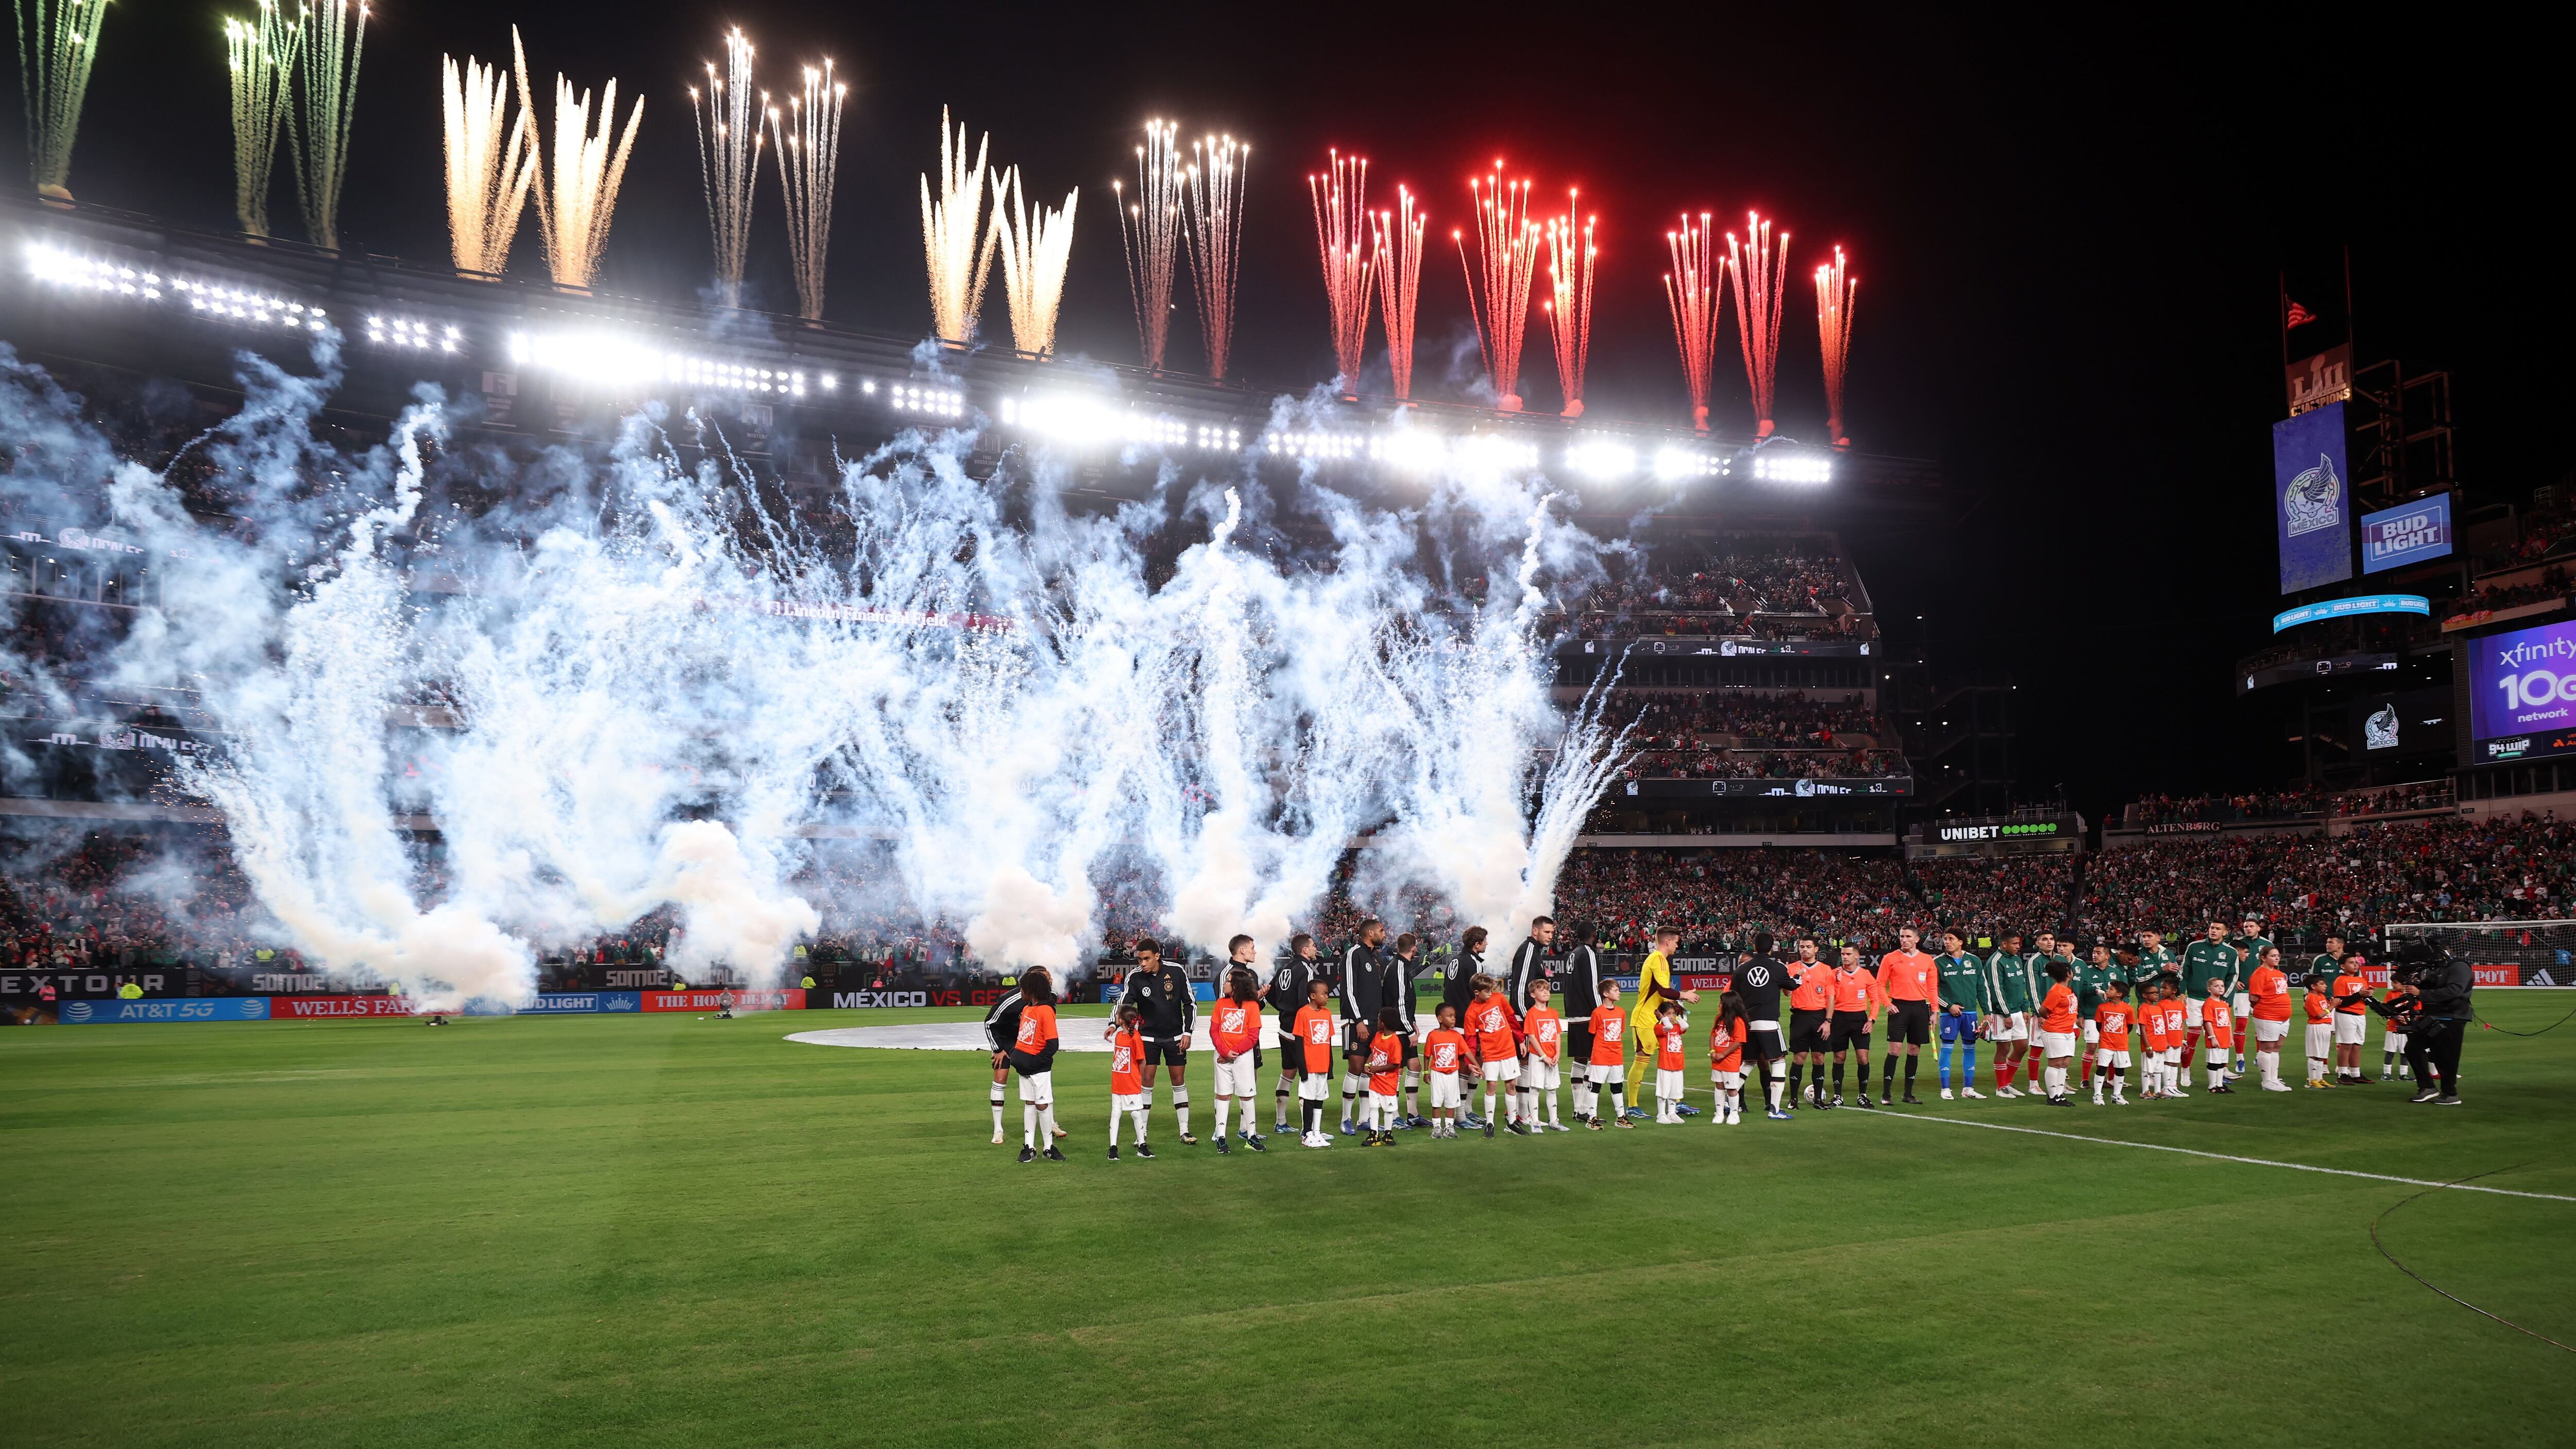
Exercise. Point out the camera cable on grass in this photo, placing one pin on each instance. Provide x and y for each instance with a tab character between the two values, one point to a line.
2544	1031
2429	1283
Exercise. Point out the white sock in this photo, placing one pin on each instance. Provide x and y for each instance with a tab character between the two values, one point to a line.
1223	1104
1489	1106
2054	1079
1113	1129
1181	1108
1582	1099
1046	1124
1028	1125
997	1109
2271	1066
1552	1118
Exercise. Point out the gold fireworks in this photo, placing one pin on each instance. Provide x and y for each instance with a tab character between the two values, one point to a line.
1761	271
1035	252
575	204
1149	233
1213	226
259	62
954	243
1837	294
1695	288
327	105
1507	256
490	169
54	57
729	142
808	138
1569	311
1398	264
1340	197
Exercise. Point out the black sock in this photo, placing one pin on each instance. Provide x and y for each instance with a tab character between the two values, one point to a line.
1797	1070
1838	1078
1909	1073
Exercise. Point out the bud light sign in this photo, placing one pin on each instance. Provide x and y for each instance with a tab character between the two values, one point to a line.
2409	534
2522	693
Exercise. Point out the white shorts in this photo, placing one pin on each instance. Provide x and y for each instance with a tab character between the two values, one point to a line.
2173	1056
1234	1078
2191	1008
2007	1026
2320	1040
2106	1057
1314	1087
1037	1089
1606	1074
2057	1043
1729	1080
2266	1031
1506	1070
2395	1040
1128	1101
2244	1005
2092	1033
1378	1103
1539	1075
2350	1027
2216	1056
1668	1085
1444	1088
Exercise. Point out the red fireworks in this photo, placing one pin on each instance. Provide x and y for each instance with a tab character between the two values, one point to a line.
1569	311
1341	234
1761	271
1837	293
1507	257
1693	288
1399	283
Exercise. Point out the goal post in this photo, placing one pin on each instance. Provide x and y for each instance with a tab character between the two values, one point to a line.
2503	953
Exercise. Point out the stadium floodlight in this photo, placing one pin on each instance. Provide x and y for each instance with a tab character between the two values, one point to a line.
611	363
1774	466
1321	445
413	334
1677	464
53	266
1492	455
1601	459
933	402
1411	450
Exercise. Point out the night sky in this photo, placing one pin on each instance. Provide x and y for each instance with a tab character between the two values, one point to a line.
2067	240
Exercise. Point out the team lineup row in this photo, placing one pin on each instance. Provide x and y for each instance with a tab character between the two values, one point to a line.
1550	1021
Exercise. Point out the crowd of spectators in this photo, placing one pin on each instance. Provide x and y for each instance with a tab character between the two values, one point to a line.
2552	584
1787	719
1757	765
2507	868
2396	799
2224	809
1785	586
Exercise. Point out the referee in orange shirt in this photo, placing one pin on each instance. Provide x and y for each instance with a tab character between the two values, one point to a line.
1909	980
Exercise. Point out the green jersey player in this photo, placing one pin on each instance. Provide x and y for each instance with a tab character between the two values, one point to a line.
2008	998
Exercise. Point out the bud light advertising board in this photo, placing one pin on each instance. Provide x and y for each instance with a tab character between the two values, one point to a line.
2522	694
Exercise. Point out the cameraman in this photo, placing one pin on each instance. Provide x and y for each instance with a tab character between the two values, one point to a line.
2432	1008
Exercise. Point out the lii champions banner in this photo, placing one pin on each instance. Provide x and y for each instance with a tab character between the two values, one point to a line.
2312	499
2522	693
2408	534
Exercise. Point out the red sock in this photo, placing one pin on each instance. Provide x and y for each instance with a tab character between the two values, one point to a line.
2191	1049
2086	1079
2032	1077
2003	1075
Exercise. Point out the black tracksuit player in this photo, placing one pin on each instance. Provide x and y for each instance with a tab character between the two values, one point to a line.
1529	963
1757	983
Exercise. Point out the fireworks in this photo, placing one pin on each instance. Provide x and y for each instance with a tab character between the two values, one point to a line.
729	142
1837	293
954	242
1213	226
1569	311
1694	289
1341	233
574	215
259	60
1399	283
54	57
1149	233
327	103
1035	252
489	171
809	150
1761	271
1507	255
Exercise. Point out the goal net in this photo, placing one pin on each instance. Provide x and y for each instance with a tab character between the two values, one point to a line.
2504	953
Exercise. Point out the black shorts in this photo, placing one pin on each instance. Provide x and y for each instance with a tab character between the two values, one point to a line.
1412	1053
1851	1028
1909	1021
1763	1043
1808	1029
1165	1052
1578	1045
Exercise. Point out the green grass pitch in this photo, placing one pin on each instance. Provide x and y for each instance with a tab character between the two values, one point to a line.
679	1231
